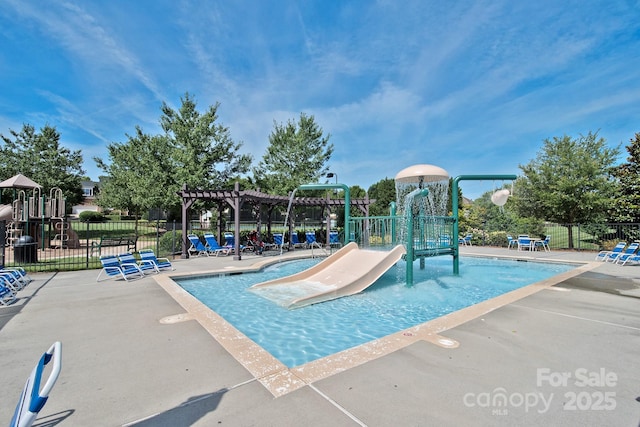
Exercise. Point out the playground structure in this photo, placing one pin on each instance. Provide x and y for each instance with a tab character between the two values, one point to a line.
419	218
417	228
31	213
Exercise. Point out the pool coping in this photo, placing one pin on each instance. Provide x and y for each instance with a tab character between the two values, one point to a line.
280	380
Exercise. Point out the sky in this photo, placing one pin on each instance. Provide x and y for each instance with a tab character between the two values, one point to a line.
473	87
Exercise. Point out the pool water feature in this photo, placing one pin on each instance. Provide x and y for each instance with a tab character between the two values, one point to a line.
296	337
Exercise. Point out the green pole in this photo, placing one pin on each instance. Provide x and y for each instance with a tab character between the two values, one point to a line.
420	192
454	208
347	203
392	213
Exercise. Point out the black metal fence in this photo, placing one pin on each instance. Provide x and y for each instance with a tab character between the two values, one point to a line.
75	245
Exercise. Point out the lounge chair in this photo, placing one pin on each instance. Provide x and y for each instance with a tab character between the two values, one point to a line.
158	263
112	267
278	240
146	266
635	258
33	397
511	241
334	239
311	240
196	246
524	243
12	282
230	242
612	254
213	247
623	256
7	295
18	272
296	242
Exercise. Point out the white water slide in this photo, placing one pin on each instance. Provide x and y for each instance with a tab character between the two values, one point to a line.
348	271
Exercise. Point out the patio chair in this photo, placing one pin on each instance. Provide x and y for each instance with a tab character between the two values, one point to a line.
278	240
606	255
635	258
544	244
511	242
524	243
311	240
146	266
623	256
19	273
33	398
466	240
158	263
7	295
295	241
196	246
230	242
334	239
112	267
214	247
12	282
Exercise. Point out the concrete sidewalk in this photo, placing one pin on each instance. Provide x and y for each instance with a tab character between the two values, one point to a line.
566	355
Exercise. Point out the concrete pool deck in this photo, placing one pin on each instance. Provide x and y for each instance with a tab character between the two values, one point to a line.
563	355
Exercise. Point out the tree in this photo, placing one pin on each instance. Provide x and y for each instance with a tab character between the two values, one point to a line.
627	205
569	181
139	175
205	156
384	192
297	154
147	171
41	157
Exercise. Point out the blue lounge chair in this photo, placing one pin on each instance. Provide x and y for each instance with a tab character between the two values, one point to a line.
230	242
7	295
158	263
629	252
296	242
278	240
334	239
635	258
33	398
197	247
12	282
145	266
607	255
511	241
214	247
112	267
18	272
311	240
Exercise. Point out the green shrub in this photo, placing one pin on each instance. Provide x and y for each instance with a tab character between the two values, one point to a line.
91	216
170	243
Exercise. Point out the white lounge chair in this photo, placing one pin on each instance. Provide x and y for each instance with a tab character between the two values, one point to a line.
612	254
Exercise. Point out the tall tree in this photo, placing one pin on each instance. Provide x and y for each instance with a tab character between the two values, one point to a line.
204	152
41	157
569	181
194	150
627	205
139	174
383	192
297	154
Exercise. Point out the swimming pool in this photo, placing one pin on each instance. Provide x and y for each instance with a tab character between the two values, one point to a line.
296	337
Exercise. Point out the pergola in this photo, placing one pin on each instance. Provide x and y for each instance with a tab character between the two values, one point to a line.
236	198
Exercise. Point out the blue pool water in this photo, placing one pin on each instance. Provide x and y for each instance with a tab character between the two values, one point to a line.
299	336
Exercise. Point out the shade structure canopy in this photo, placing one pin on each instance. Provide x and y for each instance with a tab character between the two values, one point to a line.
19	181
421	173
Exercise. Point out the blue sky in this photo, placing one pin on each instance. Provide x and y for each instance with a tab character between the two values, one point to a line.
471	86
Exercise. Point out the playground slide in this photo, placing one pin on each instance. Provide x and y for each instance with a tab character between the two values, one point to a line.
349	271
6	212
